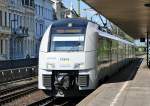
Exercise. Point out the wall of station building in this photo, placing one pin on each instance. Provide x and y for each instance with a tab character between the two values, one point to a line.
16	15
33	15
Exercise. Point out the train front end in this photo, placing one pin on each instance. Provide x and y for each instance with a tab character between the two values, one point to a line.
65	68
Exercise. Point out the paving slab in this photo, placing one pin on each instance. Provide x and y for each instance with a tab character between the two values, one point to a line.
129	87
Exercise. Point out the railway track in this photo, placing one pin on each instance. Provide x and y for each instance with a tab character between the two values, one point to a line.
50	101
10	94
43	102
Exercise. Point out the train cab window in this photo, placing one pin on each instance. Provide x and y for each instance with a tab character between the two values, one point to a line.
67	42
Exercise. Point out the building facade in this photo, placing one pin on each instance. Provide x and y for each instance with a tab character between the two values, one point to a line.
23	23
62	12
44	16
17	38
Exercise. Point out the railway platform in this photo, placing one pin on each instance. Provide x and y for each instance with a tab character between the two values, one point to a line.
129	87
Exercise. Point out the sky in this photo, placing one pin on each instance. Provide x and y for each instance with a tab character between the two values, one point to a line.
67	3
88	13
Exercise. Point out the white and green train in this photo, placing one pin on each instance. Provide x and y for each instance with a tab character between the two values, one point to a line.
75	55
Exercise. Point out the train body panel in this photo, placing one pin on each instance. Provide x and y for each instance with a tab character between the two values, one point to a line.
76	61
63	61
74	55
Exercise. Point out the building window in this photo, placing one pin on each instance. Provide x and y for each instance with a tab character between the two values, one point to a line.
23	2
13	21
19	24
6	46
1	46
9	19
41	29
20	2
24	46
32	3
39	10
20	20
21	48
42	10
17	48
12	2
36	9
5	18
27	2
23	21
28	19
1	18
46	13
17	20
36	27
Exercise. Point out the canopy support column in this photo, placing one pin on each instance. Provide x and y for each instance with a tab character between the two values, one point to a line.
148	64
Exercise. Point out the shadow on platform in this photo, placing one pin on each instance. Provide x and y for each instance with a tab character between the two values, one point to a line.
125	73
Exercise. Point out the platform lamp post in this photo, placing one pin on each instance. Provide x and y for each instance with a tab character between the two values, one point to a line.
147	5
12	40
148	58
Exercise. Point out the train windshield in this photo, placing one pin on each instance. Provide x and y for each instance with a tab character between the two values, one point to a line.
67	42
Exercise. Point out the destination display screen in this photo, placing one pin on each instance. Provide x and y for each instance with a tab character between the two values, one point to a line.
68	31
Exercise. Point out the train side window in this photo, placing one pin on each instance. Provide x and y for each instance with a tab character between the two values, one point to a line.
114	50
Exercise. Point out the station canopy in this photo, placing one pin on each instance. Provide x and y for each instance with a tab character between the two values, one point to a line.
132	16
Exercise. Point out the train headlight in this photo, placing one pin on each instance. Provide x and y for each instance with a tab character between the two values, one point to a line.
49	66
78	65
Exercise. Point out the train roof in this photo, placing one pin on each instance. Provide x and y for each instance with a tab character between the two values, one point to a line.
107	35
79	22
76	22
